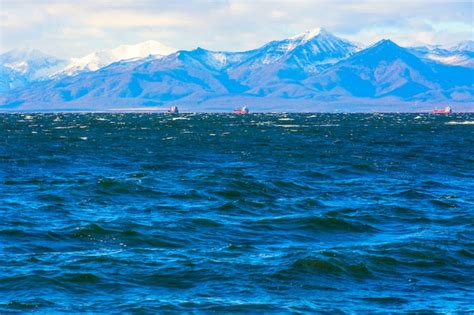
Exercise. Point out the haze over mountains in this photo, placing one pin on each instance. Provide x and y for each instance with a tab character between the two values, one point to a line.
313	71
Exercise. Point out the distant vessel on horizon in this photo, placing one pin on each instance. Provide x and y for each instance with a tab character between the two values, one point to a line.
446	110
241	111
173	110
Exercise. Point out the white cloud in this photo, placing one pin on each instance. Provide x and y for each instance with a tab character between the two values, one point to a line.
125	19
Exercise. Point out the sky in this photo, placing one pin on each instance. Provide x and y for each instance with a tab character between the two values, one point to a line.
72	28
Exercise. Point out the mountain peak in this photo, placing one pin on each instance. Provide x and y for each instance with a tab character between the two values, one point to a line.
102	58
24	54
385	43
310	34
385	51
140	50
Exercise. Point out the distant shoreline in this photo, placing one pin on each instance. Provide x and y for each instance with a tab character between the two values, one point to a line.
131	111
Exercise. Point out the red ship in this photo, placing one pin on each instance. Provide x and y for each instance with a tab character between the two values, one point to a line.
241	111
446	110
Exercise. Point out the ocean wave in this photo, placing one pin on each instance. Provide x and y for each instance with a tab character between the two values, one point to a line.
314	265
466	122
28	304
259	218
314	223
291	126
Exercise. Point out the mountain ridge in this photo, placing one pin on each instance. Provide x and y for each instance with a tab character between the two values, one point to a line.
307	70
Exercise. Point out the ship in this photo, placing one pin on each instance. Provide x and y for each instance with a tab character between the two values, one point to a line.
241	111
173	110
446	110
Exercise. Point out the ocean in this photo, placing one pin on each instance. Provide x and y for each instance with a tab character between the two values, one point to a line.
201	213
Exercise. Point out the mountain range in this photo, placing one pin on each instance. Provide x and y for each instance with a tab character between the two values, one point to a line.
313	71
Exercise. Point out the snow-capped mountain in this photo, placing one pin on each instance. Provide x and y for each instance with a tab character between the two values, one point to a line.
312	48
103	58
28	61
312	69
20	66
461	54
308	49
386	69
293	58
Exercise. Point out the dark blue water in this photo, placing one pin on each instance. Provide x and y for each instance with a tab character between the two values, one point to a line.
258	213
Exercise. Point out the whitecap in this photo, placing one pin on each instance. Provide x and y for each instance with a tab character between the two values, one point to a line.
466	122
290	126
64	127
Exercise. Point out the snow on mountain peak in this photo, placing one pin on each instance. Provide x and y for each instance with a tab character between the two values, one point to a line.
28	62
457	55
20	66
292	42
23	54
310	34
99	59
141	50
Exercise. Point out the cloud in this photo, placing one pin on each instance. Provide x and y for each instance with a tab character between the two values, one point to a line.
125	19
71	28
